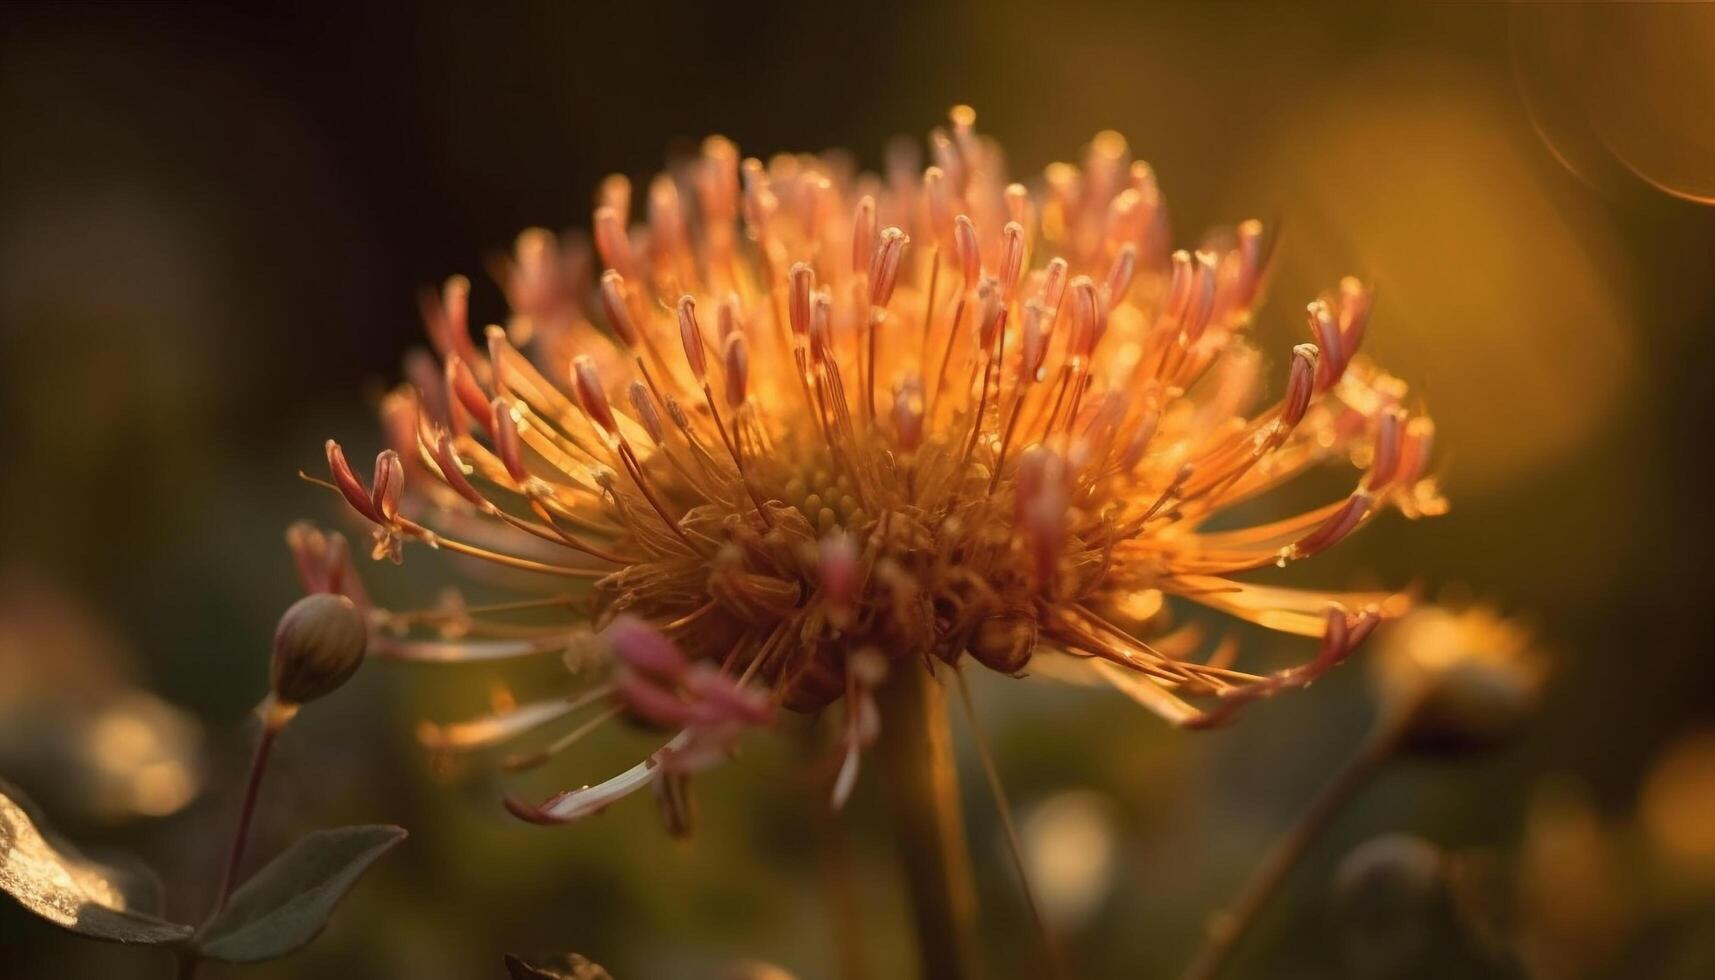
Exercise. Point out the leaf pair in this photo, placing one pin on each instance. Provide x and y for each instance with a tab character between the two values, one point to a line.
280	909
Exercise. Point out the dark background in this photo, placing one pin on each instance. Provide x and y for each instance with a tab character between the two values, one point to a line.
214	222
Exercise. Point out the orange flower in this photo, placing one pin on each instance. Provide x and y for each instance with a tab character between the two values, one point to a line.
807	414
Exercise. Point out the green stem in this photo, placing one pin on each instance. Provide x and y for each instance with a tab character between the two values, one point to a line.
1228	926
915	755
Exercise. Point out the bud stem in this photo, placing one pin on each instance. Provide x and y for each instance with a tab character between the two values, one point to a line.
274	718
1228	926
915	757
275	715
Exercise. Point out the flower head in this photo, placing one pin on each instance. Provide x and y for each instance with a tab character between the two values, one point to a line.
806	427
1458	679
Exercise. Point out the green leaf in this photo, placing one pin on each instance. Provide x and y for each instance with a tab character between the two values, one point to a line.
557	966
288	902
50	878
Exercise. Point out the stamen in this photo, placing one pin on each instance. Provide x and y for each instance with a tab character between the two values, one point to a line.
691	338
1011	258
1385	459
737	357
863	238
1120	274
348	485
883	277
969	253
938	203
1053	285
1419	439
643	403
1300	384
1329	339
591	396
462	383
612	242
799	283
507	445
1339	524
388	484
614	307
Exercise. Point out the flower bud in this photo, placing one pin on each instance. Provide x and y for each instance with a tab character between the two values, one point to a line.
1391	881
318	645
1004	642
1463	681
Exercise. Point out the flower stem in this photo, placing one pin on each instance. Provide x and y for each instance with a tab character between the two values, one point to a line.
1052	965
834	861
915	754
275	715
1228	926
272	723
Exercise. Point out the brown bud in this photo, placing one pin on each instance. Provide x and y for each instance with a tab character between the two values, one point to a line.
1004	642
318	645
1472	705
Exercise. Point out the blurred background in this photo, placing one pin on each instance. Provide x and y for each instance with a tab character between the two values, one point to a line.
213	225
